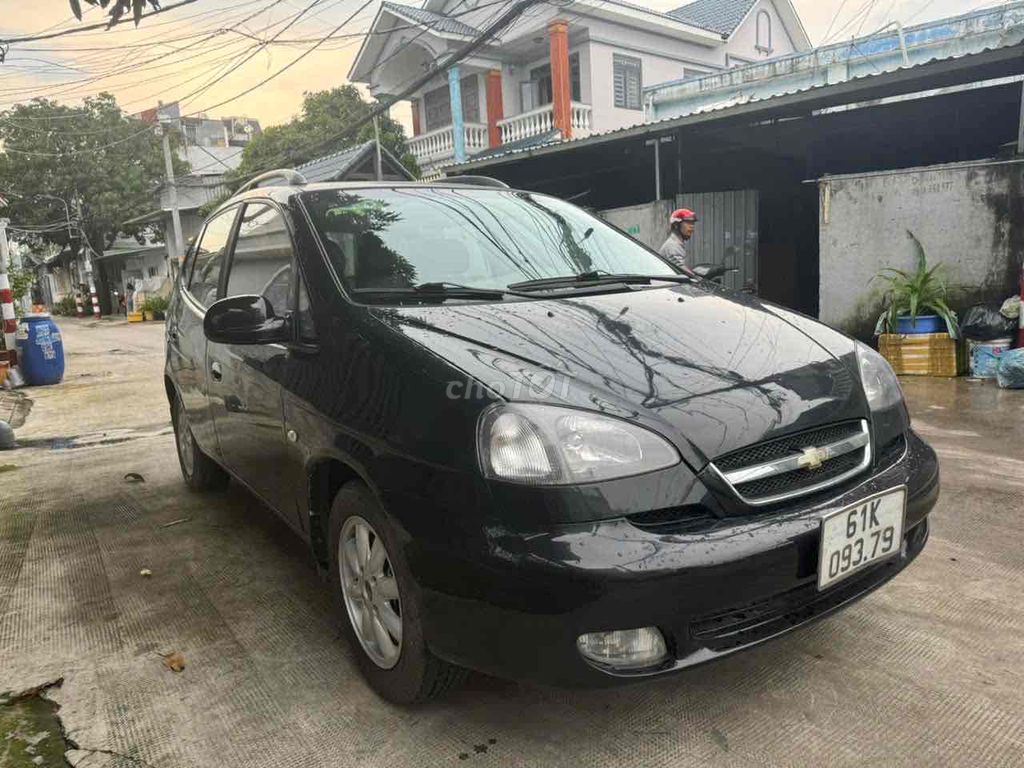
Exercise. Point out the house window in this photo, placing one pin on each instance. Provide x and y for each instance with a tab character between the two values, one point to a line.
628	81
764	32
437	104
152	271
539	92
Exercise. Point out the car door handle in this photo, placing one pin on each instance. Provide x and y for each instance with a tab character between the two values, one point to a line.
216	372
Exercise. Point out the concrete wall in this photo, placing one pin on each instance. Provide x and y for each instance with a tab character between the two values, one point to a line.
647	223
968	216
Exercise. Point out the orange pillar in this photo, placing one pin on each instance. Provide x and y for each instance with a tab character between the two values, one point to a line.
416	130
561	90
495	108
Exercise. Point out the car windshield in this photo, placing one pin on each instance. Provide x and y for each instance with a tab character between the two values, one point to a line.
397	238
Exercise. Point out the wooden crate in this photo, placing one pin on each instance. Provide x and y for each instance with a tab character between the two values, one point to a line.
922	354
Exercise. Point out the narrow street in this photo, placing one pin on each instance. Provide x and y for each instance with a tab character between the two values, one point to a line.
927	671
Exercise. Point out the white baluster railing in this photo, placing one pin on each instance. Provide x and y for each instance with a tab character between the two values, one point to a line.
439	144
581	119
542	120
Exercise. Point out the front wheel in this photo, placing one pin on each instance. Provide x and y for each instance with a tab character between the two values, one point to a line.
382	603
201	473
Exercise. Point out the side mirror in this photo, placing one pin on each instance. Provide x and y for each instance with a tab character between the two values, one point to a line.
245	320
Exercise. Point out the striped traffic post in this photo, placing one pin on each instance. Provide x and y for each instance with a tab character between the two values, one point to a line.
10	325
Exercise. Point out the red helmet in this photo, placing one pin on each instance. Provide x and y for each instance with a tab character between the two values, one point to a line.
683	214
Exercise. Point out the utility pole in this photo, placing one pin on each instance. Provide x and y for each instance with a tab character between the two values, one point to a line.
172	187
378	164
10	325
87	250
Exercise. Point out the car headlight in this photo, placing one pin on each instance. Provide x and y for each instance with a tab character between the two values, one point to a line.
881	386
549	445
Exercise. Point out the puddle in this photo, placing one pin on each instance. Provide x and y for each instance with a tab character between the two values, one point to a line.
94	439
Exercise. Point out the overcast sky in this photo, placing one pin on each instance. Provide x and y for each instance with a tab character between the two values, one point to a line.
52	70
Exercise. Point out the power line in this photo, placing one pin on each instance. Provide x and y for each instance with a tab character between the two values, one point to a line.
101	25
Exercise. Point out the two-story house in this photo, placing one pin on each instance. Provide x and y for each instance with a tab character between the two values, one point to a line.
562	70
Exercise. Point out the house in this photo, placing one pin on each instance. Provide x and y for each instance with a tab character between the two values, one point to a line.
558	71
807	172
358	163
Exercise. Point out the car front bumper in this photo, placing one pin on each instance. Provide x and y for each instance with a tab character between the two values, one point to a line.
517	609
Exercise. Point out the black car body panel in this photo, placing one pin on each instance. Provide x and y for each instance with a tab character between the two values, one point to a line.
512	574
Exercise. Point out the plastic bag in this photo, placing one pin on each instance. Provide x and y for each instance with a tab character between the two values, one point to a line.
1011	308
1011	369
983	322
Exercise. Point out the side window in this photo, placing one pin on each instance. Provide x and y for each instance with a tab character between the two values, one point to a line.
262	260
627	81
304	316
209	257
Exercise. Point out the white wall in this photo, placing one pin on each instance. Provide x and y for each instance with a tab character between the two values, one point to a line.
863	228
743	42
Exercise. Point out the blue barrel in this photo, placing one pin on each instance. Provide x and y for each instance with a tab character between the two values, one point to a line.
40	350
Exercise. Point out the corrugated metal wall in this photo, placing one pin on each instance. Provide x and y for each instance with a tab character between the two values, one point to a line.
726	232
648	223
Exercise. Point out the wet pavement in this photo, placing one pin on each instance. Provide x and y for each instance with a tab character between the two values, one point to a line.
929	670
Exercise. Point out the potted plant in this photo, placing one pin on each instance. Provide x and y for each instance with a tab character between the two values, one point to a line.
155	308
917	332
915	302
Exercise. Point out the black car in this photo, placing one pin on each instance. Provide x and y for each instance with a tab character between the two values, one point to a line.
518	441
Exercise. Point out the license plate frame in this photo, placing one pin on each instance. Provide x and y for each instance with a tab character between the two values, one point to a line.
827	537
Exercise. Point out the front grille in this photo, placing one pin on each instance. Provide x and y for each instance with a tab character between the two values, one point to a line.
794	482
785	482
784	446
675	520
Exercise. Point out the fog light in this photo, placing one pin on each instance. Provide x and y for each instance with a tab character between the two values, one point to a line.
624	648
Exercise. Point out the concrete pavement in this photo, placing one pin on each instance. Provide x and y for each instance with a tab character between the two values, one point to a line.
927	671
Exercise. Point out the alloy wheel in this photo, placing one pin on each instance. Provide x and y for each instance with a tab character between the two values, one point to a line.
370	591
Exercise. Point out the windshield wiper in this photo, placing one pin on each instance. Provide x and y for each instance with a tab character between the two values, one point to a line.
441	292
594	277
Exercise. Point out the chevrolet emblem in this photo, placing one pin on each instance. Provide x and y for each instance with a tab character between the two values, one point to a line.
813	458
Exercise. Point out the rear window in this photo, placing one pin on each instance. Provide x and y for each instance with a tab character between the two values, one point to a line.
404	236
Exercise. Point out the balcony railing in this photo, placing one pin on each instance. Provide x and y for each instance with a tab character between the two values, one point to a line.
439	145
542	120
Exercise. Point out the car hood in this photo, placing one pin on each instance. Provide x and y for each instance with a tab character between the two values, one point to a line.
712	371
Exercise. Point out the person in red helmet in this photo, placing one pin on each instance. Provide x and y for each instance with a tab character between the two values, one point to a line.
681	225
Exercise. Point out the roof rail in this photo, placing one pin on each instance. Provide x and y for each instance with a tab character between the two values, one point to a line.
289	175
475	181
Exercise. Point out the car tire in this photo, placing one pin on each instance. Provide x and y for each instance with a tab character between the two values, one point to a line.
201	473
415	675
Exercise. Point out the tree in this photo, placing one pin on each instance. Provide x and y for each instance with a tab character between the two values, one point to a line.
314	133
119	9
105	165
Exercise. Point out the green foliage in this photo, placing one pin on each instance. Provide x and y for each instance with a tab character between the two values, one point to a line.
313	134
21	282
66	307
92	155
909	294
156	305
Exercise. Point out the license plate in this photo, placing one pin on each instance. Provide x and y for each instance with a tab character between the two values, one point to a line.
856	536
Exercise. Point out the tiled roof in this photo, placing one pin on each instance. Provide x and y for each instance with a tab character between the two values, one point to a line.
435	21
722	16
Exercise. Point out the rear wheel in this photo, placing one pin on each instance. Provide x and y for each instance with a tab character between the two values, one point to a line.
382	603
201	473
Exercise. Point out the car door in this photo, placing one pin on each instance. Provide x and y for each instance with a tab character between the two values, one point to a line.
245	385
199	286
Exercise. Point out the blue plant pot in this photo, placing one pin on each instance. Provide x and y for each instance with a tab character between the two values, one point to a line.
921	324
